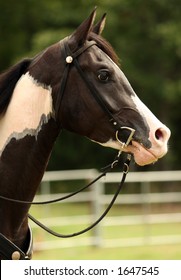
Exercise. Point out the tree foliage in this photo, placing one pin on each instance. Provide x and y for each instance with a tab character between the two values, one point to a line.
146	36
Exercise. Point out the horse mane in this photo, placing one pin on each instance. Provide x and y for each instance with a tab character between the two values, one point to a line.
105	46
8	80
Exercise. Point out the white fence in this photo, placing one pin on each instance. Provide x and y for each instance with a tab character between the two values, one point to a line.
98	198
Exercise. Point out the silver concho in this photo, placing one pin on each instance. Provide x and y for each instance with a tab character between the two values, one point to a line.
69	59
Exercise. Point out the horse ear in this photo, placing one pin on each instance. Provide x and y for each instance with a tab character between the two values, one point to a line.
79	36
99	27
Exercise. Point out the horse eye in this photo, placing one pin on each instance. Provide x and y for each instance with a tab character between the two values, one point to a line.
103	76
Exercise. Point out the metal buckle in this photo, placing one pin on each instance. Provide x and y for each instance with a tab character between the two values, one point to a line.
126	164
125	144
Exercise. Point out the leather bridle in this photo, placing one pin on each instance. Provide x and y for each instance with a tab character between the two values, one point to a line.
71	60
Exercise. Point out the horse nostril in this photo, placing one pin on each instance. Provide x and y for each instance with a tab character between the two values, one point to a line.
159	134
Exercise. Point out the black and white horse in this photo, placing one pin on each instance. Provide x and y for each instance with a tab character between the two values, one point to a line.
75	84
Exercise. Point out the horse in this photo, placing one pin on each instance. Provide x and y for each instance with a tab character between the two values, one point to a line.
75	84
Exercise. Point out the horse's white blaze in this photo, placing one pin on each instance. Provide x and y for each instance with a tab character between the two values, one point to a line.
30	107
160	145
150	118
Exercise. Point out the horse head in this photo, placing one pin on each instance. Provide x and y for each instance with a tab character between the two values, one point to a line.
81	112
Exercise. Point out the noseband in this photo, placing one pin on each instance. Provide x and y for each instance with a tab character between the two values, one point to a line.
71	60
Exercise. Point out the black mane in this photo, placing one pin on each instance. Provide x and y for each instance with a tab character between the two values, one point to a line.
8	80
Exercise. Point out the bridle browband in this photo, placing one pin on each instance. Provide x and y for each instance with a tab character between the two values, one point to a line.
71	59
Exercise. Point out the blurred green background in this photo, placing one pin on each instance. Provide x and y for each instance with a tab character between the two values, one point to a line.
146	36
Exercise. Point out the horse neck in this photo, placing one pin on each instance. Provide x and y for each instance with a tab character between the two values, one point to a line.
26	146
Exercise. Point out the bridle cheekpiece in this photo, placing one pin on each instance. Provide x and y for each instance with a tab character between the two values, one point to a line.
71	59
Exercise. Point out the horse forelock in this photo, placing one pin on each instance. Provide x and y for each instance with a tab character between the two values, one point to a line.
105	46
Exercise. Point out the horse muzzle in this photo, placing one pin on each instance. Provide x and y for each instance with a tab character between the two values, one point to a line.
159	147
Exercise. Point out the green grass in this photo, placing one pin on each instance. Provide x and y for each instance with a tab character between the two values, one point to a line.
165	251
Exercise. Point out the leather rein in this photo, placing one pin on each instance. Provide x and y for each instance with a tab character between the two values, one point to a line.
71	60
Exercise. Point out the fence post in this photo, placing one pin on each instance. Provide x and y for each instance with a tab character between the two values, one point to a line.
96	193
45	190
146	208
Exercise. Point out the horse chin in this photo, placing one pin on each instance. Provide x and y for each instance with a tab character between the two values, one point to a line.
142	156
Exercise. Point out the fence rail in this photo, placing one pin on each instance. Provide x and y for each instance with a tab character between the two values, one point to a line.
98	198
151	176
